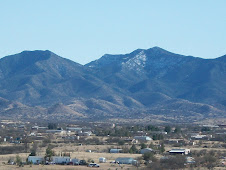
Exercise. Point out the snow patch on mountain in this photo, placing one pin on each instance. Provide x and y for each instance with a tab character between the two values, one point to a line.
136	63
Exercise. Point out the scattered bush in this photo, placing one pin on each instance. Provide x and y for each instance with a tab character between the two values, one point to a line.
12	149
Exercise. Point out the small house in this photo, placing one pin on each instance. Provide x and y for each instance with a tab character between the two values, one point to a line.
89	133
60	131
146	150
102	160
61	159
115	150
159	132
75	161
200	137
74	129
190	160
35	159
179	151
124	160
174	141
142	138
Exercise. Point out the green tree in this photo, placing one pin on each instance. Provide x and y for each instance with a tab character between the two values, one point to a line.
168	129
49	153
34	149
18	160
133	149
162	148
157	137
26	146
52	126
33	153
149	156
121	142
210	160
152	146
205	129
173	162
177	130
143	146
152	128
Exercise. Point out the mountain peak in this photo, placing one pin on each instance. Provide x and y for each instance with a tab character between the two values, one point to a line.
37	53
23	60
138	58
36	62
156	48
34	56
153	49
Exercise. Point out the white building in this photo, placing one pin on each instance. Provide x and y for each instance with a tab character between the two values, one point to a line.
102	160
57	131
115	150
35	159
158	132
201	137
39	127
75	161
61	160
124	160
143	138
74	129
179	151
89	133
146	150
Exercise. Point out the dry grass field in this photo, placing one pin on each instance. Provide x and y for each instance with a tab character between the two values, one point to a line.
105	166
80	152
75	152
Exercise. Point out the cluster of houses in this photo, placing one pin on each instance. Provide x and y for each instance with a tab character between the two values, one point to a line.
60	131
121	160
63	160
54	160
66	160
189	140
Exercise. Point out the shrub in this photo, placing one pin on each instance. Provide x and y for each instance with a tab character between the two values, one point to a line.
18	160
133	149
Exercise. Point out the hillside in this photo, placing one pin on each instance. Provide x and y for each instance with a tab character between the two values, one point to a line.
157	70
142	84
43	78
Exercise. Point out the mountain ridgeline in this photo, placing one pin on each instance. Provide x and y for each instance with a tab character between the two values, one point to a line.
141	84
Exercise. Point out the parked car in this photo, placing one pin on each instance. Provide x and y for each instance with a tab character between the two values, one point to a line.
114	162
94	165
82	162
12	163
70	163
75	161
49	163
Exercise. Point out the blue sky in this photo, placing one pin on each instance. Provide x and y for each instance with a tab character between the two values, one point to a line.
84	30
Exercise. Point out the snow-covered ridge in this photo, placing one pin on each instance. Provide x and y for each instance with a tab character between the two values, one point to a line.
136	63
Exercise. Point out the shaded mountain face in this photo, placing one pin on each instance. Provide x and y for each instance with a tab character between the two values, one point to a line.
138	84
43	78
157	70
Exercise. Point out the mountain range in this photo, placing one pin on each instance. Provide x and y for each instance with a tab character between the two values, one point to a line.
142	84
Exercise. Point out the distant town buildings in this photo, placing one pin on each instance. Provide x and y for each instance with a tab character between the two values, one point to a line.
179	151
142	138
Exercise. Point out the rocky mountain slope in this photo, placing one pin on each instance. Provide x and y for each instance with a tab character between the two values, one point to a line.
157	70
138	84
43	78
